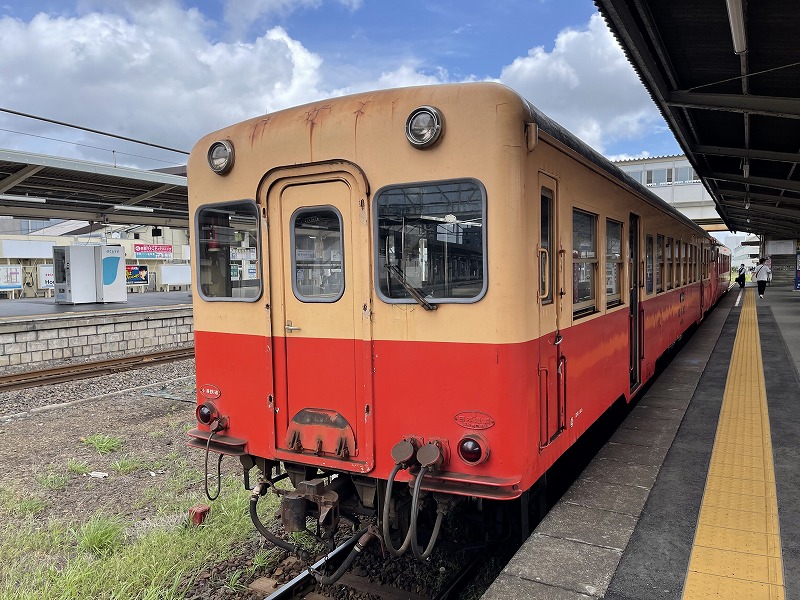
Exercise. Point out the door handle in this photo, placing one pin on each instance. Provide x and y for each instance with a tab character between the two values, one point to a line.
290	327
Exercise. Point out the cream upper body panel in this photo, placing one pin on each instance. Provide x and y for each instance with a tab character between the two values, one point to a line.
484	139
362	138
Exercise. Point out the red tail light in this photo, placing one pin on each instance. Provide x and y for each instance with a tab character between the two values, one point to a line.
206	413
473	450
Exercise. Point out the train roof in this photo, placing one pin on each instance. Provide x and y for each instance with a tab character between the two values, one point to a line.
569	140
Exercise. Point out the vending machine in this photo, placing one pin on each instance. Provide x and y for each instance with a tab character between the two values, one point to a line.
84	274
74	271
110	277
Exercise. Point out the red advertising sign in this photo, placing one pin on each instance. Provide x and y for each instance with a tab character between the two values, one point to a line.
152	250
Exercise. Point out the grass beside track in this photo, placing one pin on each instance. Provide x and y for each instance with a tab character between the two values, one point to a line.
105	555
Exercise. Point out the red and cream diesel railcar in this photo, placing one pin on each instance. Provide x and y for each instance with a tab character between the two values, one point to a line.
433	285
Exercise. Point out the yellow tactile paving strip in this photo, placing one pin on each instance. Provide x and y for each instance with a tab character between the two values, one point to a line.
737	547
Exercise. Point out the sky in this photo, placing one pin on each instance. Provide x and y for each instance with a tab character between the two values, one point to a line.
170	71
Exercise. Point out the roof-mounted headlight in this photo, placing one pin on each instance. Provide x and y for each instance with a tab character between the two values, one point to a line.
220	157
424	126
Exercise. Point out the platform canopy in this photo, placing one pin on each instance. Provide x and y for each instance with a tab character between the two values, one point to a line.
37	186
726	76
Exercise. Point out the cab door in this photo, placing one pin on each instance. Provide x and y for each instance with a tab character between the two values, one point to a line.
552	364
319	264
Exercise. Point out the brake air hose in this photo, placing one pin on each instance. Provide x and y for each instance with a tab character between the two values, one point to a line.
415	548
364	537
294	549
387	540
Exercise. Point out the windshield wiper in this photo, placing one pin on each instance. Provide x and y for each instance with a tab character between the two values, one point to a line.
415	293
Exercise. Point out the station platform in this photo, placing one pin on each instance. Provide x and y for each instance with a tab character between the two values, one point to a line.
38	307
697	493
37	333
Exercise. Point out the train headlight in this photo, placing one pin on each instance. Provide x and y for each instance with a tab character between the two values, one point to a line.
473	450
220	157
206	413
424	126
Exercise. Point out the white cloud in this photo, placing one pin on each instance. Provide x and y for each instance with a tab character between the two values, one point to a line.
587	85
240	15
148	74
152	70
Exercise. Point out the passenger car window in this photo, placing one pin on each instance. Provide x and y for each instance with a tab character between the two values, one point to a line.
431	242
659	263
228	254
317	254
584	262
613	262
669	274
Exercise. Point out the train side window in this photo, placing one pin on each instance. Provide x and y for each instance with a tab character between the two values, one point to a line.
668	272
613	263
648	267
689	264
584	263
228	257
317	254
546	259
678	264
431	242
659	263
685	262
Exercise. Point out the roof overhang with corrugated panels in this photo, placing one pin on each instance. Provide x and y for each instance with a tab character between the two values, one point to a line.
736	115
37	186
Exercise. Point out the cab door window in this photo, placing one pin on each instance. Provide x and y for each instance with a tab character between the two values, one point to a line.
317	254
546	258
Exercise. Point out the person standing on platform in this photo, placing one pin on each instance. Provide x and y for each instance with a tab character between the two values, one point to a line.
761	276
742	275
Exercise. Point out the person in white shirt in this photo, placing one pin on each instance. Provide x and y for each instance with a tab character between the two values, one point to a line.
762	274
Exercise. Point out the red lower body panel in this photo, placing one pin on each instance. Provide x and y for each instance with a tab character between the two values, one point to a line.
433	392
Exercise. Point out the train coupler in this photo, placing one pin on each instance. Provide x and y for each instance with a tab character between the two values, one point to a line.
310	499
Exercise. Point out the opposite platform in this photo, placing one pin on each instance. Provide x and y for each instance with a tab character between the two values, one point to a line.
47	307
626	529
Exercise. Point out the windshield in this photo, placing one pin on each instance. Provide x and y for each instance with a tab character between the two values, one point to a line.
433	234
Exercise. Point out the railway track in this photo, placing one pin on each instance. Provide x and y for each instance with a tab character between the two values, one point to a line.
304	585
19	381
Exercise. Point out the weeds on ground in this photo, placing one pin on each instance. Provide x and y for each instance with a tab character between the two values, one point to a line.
100	535
59	561
31	506
78	467
104	444
128	464
52	481
14	504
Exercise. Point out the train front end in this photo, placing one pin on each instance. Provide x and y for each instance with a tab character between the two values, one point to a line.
355	328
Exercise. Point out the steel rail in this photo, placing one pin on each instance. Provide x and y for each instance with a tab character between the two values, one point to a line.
305	581
28	379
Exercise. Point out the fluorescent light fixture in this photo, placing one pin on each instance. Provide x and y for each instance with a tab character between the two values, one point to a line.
736	18
133	208
31	199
